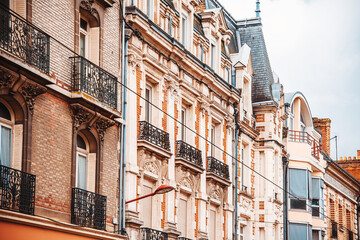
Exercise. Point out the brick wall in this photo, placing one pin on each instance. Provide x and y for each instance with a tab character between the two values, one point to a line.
323	125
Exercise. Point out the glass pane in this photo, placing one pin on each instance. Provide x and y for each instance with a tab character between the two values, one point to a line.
81	174
80	142
298	204
183	121
315	188
298	183
82	45
147	104
298	231
316	235
4	112
309	185
5	151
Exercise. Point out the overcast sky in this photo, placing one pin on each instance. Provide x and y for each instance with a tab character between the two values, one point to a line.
314	47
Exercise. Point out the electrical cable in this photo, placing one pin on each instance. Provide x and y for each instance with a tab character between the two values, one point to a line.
139	35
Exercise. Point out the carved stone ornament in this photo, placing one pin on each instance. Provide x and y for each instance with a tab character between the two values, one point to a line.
30	91
79	115
245	206
229	121
187	179
6	78
150	162
88	6
277	210
172	86
102	125
204	105
215	191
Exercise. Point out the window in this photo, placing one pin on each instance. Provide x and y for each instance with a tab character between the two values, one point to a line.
228	75
148	100
317	197
184	30
241	233
147	206
300	180
299	231
212	140
183	124
5	136
201	52
213	55
170	26
83	37
316	235
150	9
212	225
223	51
81	158
183	206
340	215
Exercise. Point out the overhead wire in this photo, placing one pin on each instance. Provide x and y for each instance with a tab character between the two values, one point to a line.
140	37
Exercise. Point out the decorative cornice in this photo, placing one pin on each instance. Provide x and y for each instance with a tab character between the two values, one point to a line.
6	78
30	91
79	115
102	125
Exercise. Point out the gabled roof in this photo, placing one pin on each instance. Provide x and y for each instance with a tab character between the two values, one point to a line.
251	33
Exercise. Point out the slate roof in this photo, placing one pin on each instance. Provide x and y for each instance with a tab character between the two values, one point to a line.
251	33
170	4
198	25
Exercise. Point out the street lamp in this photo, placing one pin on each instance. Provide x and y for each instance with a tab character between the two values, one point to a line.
160	190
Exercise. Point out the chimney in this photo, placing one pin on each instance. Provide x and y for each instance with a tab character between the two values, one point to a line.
358	154
323	125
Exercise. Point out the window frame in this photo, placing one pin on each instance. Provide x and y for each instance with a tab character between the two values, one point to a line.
184	31
84	153
291	199
183	123
148	102
9	124
85	33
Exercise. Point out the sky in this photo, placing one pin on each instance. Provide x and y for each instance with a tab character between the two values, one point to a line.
314	47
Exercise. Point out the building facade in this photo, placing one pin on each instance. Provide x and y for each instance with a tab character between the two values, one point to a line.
60	119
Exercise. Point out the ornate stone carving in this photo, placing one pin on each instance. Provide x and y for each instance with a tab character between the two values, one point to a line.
6	78
30	91
102	125
79	115
215	191
204	105
88	6
245	206
186	178
229	121
150	162
171	85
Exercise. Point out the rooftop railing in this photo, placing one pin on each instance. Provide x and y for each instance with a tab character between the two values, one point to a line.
299	136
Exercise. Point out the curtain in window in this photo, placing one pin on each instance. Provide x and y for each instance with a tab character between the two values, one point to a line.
309	185
81	174
5	151
298	231
298	183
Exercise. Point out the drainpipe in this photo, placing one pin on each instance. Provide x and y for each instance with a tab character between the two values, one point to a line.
236	171
124	44
357	217
285	161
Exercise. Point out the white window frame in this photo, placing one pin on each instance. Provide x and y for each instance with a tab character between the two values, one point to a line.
84	153
184	30
213	50
183	121
150	9
7	124
86	37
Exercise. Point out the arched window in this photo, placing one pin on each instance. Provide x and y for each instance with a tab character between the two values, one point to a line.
89	35
85	162
5	136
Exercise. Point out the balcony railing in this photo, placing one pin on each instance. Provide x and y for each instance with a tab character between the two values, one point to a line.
24	41
299	136
334	232
184	238
17	190
351	235
218	168
94	81
152	234
189	153
154	135
88	209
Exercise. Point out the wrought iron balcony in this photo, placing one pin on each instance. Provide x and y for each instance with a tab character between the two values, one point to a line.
334	228
17	190
189	153
152	234
184	238
24	41
154	135
299	136
218	168
94	81
351	235
88	209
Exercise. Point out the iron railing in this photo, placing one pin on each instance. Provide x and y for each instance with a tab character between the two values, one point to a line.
88	209
334	230
94	81
351	235
24	41
218	168
299	136
189	153
152	234
17	190
154	135
184	238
